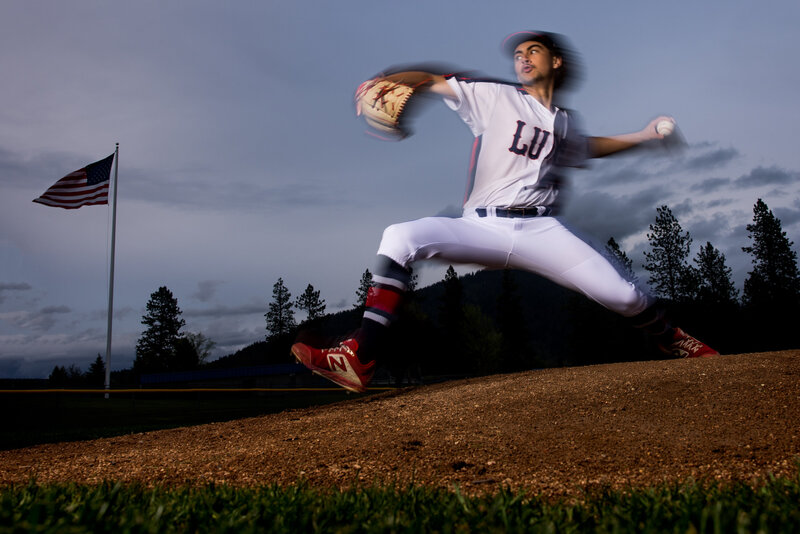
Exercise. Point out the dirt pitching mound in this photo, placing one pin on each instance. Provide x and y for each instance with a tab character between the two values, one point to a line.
554	431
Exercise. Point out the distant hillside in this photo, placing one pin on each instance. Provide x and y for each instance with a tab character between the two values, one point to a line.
525	322
559	328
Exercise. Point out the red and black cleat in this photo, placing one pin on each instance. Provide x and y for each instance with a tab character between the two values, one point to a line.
339	364
685	346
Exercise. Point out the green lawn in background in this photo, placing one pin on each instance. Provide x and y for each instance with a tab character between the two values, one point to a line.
33	418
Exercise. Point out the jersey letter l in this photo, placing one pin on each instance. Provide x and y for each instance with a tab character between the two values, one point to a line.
533	150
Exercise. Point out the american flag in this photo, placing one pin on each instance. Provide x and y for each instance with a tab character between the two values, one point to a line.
84	187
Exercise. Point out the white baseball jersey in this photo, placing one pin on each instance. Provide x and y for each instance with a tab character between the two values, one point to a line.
519	147
518	144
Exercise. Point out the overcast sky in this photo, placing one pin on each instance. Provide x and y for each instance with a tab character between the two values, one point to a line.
241	160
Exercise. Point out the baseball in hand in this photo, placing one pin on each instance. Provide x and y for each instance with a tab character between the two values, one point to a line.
665	127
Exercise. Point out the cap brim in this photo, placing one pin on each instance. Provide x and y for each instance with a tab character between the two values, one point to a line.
511	42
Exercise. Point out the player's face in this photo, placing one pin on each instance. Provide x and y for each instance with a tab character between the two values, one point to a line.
533	63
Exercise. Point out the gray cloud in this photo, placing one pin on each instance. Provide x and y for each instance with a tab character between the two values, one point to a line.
198	188
680	209
39	171
646	164
712	228
77	343
710	185
772	175
720	202
120	312
229	339
341	304
11	166
11	286
226	311
712	159
787	216
696	158
10	367
21	286
604	215
206	289
613	172
39	321
41	368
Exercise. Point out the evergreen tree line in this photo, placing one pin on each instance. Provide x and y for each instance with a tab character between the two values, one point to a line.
492	325
93	377
705	292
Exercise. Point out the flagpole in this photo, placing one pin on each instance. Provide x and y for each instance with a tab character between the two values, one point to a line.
111	273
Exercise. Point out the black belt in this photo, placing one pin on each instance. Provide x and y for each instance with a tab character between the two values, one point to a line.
531	211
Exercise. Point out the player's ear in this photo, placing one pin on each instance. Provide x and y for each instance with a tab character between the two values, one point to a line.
557	62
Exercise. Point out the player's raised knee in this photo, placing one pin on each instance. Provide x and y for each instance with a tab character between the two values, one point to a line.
631	302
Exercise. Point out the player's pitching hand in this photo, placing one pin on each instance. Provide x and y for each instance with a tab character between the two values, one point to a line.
659	128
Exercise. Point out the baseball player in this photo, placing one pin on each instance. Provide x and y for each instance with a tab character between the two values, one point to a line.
522	144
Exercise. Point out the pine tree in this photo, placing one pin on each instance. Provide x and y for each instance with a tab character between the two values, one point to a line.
96	374
774	280
156	347
363	290
74	375
452	300
310	303
452	308
671	276
620	260
715	284
452	320
511	325
58	377
280	317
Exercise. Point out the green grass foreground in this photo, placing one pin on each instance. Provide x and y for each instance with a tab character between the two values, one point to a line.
773	506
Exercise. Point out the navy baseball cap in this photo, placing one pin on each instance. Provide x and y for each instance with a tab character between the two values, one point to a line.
550	40
571	69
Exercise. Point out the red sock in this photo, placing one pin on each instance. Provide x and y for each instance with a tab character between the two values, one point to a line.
383	302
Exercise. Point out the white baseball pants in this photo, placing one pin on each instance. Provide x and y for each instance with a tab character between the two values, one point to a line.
541	245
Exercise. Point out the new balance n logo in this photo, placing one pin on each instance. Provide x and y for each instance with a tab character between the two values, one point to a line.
337	360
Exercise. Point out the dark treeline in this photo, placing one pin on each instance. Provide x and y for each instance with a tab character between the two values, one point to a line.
93	377
505	321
